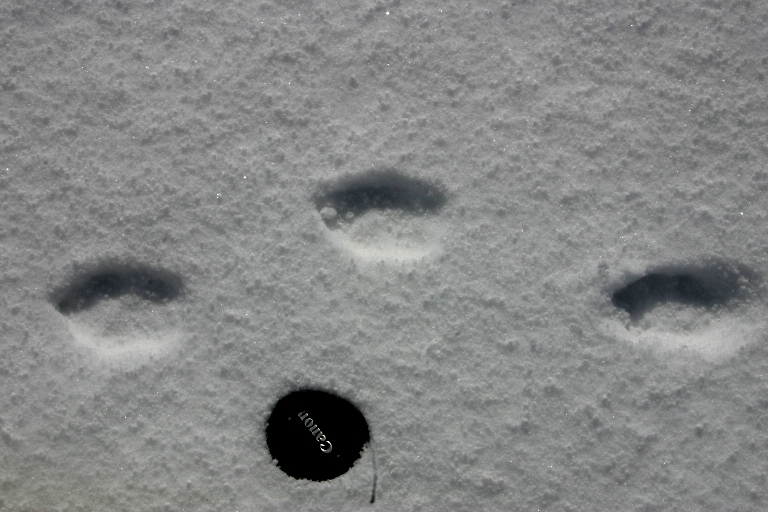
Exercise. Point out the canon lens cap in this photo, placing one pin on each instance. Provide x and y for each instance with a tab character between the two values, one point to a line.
316	435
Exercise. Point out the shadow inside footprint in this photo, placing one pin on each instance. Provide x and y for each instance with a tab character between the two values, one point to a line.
708	287
385	189
146	283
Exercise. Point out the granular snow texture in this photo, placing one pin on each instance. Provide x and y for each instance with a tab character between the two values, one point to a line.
527	240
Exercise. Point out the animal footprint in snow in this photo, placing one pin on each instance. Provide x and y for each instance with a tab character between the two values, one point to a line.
383	215
704	308
123	313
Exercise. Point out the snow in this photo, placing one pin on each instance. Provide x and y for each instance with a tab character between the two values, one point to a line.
581	146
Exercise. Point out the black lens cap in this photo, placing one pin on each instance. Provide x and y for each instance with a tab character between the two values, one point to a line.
316	435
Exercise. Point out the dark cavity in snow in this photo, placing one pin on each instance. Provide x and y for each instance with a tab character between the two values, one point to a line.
316	435
707	286
383	189
85	291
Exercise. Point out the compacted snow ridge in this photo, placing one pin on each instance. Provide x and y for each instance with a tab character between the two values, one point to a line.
524	241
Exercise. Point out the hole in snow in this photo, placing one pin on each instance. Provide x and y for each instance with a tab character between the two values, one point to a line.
316	435
706	308
383	215
121	312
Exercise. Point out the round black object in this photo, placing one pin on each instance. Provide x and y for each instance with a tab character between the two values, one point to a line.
316	435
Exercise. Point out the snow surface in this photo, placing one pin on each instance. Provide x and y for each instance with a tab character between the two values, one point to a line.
581	145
